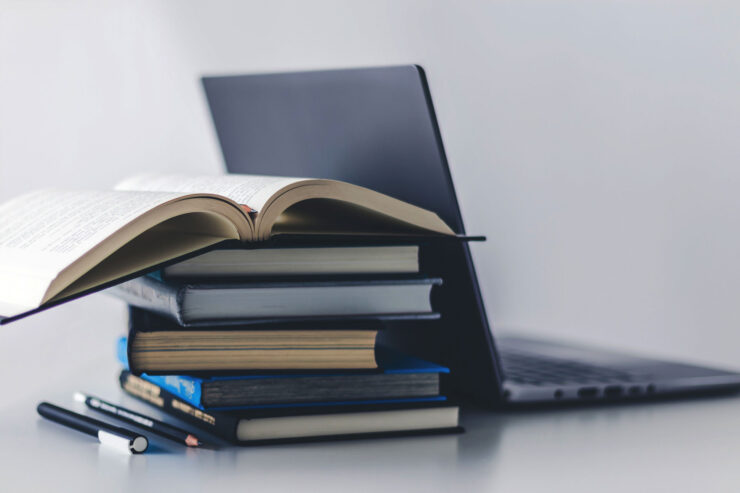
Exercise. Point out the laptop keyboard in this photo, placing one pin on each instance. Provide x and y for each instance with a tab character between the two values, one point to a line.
531	369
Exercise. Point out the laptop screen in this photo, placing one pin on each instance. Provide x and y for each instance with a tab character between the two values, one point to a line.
372	127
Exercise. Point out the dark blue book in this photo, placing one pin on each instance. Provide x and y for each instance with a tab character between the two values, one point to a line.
400	379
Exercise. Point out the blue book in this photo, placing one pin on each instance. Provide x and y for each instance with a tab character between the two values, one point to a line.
400	379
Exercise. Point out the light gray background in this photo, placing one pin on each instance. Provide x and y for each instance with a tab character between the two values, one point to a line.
594	143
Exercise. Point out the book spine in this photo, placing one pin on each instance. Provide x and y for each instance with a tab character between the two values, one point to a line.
220	424
152	294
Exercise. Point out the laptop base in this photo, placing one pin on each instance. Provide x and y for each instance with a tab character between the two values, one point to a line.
547	371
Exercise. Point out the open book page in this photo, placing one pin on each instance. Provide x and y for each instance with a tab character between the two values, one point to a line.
43	232
349	208
253	191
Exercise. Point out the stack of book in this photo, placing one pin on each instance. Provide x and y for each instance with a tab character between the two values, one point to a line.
256	303
281	343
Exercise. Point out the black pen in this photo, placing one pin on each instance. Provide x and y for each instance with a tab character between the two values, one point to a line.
113	436
155	426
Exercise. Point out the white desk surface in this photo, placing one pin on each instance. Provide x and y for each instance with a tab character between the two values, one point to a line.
689	445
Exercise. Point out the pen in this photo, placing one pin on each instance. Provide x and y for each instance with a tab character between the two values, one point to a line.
112	436
155	426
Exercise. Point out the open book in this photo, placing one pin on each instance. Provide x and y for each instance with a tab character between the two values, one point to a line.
55	244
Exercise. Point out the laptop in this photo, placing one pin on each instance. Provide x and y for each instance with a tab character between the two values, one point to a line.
376	127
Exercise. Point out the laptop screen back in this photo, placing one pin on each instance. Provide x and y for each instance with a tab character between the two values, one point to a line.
371	127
